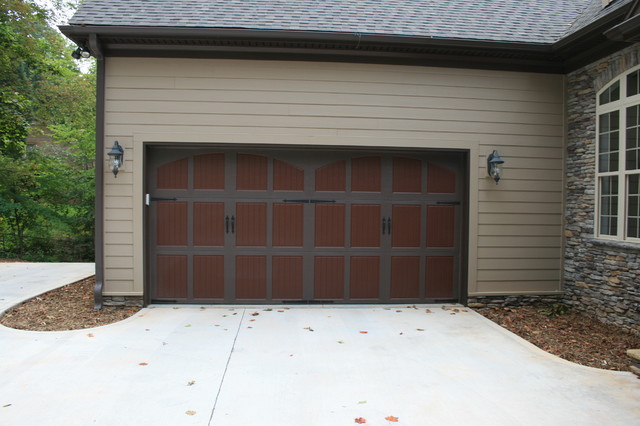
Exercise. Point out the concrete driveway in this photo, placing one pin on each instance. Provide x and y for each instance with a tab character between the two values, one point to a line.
193	365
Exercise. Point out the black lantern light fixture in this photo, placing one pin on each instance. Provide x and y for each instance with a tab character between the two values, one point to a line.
116	158
81	53
494	166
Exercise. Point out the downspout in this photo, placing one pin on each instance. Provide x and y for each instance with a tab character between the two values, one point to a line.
94	47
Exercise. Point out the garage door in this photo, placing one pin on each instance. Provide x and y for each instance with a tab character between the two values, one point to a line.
230	226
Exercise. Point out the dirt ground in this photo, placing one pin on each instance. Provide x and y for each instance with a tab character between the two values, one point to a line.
571	335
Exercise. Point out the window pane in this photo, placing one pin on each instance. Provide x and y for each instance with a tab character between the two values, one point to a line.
615	91
632	83
614	122
609	205
612	94
632	116
633	159
633	207
604	123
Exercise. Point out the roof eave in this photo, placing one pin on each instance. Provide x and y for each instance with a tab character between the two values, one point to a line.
314	45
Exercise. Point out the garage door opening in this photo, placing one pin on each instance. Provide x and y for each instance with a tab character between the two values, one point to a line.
303	226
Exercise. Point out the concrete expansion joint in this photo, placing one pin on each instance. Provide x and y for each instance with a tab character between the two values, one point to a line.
226	367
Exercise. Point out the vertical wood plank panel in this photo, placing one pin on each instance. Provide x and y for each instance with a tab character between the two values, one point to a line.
439	277
366	174
441	226
287	277
251	172
251	224
407	175
287	177
174	175
251	277
332	177
208	171
364	279
288	222
171	276
208	277
330	225
365	225
440	180
405	277
171	223
405	225
208	224
328	280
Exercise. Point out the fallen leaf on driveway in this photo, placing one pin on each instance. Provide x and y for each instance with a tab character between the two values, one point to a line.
255	314
363	332
398	310
217	325
362	402
391	418
340	341
90	335
143	363
428	311
309	328
252	319
6	405
191	383
190	413
360	420
249	327
175	307
268	310
280	310
420	329
188	325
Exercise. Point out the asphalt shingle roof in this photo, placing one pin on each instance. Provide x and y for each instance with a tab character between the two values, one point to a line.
518	21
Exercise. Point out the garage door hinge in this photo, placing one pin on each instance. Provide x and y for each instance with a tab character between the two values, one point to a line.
148	199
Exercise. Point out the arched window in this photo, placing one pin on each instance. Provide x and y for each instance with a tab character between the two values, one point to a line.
618	159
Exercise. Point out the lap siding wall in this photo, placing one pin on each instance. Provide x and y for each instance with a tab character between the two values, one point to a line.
515	228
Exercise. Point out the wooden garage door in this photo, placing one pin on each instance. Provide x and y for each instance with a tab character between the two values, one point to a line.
292	226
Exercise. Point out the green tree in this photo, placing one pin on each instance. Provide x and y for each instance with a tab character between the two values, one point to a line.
46	193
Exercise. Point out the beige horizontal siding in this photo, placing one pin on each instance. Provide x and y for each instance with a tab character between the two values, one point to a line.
517	223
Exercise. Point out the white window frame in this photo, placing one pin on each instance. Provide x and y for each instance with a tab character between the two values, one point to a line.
620	105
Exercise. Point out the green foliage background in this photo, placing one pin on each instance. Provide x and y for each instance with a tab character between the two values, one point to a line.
46	190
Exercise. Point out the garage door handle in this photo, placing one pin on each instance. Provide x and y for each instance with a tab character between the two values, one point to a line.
233	224
226	224
384	224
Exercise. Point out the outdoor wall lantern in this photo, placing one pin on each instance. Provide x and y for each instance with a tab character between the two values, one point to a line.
81	52
494	166
116	158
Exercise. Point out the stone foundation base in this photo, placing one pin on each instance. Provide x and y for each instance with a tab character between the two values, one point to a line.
122	301
512	301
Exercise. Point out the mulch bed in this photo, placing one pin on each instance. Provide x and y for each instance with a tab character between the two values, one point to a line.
573	336
67	308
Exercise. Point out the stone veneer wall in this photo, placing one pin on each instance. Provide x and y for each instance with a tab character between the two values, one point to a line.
122	301
602	278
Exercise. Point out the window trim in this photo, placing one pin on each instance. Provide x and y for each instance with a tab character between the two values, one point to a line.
622	173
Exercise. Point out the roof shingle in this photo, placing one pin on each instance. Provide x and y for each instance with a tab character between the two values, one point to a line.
517	21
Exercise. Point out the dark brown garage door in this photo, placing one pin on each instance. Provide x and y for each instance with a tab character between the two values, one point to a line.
254	226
